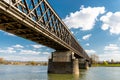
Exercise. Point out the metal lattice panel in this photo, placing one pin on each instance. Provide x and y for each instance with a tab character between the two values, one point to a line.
39	11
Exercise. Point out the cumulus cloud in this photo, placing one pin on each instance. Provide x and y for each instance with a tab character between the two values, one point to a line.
90	52
85	18
46	53
87	44
86	37
19	49
8	50
111	22
109	56
18	46
19	52
111	47
37	46
111	51
29	52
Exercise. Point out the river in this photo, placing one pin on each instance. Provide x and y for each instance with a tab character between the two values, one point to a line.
12	72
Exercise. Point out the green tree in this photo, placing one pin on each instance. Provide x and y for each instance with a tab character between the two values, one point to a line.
105	63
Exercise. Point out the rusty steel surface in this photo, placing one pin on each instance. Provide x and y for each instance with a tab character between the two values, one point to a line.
37	21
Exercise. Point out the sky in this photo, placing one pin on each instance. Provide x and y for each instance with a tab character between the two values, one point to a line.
94	23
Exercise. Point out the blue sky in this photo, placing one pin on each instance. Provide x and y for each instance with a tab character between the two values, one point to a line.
94	23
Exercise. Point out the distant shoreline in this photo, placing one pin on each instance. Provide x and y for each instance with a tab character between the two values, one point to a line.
106	65
33	63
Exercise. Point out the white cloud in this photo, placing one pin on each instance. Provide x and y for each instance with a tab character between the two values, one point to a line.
111	22
85	18
90	52
19	49
105	27
47	53
8	50
37	46
18	46
86	37
111	47
29	52
2	51
111	51
20	53
87	44
109	56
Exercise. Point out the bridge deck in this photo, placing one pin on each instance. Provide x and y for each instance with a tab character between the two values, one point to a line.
8	24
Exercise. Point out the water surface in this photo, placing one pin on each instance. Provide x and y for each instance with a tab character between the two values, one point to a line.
10	72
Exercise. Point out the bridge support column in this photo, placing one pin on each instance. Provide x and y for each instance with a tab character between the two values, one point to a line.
83	64
63	63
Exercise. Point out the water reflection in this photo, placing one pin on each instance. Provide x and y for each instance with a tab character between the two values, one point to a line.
63	77
81	76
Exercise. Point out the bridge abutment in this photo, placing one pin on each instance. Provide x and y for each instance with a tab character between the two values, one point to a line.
63	63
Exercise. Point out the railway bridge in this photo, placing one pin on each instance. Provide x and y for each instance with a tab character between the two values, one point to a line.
37	21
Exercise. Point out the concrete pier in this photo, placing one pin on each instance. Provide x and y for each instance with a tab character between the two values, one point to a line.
63	63
75	66
83	64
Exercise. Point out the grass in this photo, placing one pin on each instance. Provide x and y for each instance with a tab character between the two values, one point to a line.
106	65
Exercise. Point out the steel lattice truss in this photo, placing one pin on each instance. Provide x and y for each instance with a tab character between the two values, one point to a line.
41	12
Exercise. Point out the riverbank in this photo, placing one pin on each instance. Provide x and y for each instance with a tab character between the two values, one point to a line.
33	63
106	65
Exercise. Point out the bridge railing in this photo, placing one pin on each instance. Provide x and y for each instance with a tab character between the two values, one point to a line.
41	12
